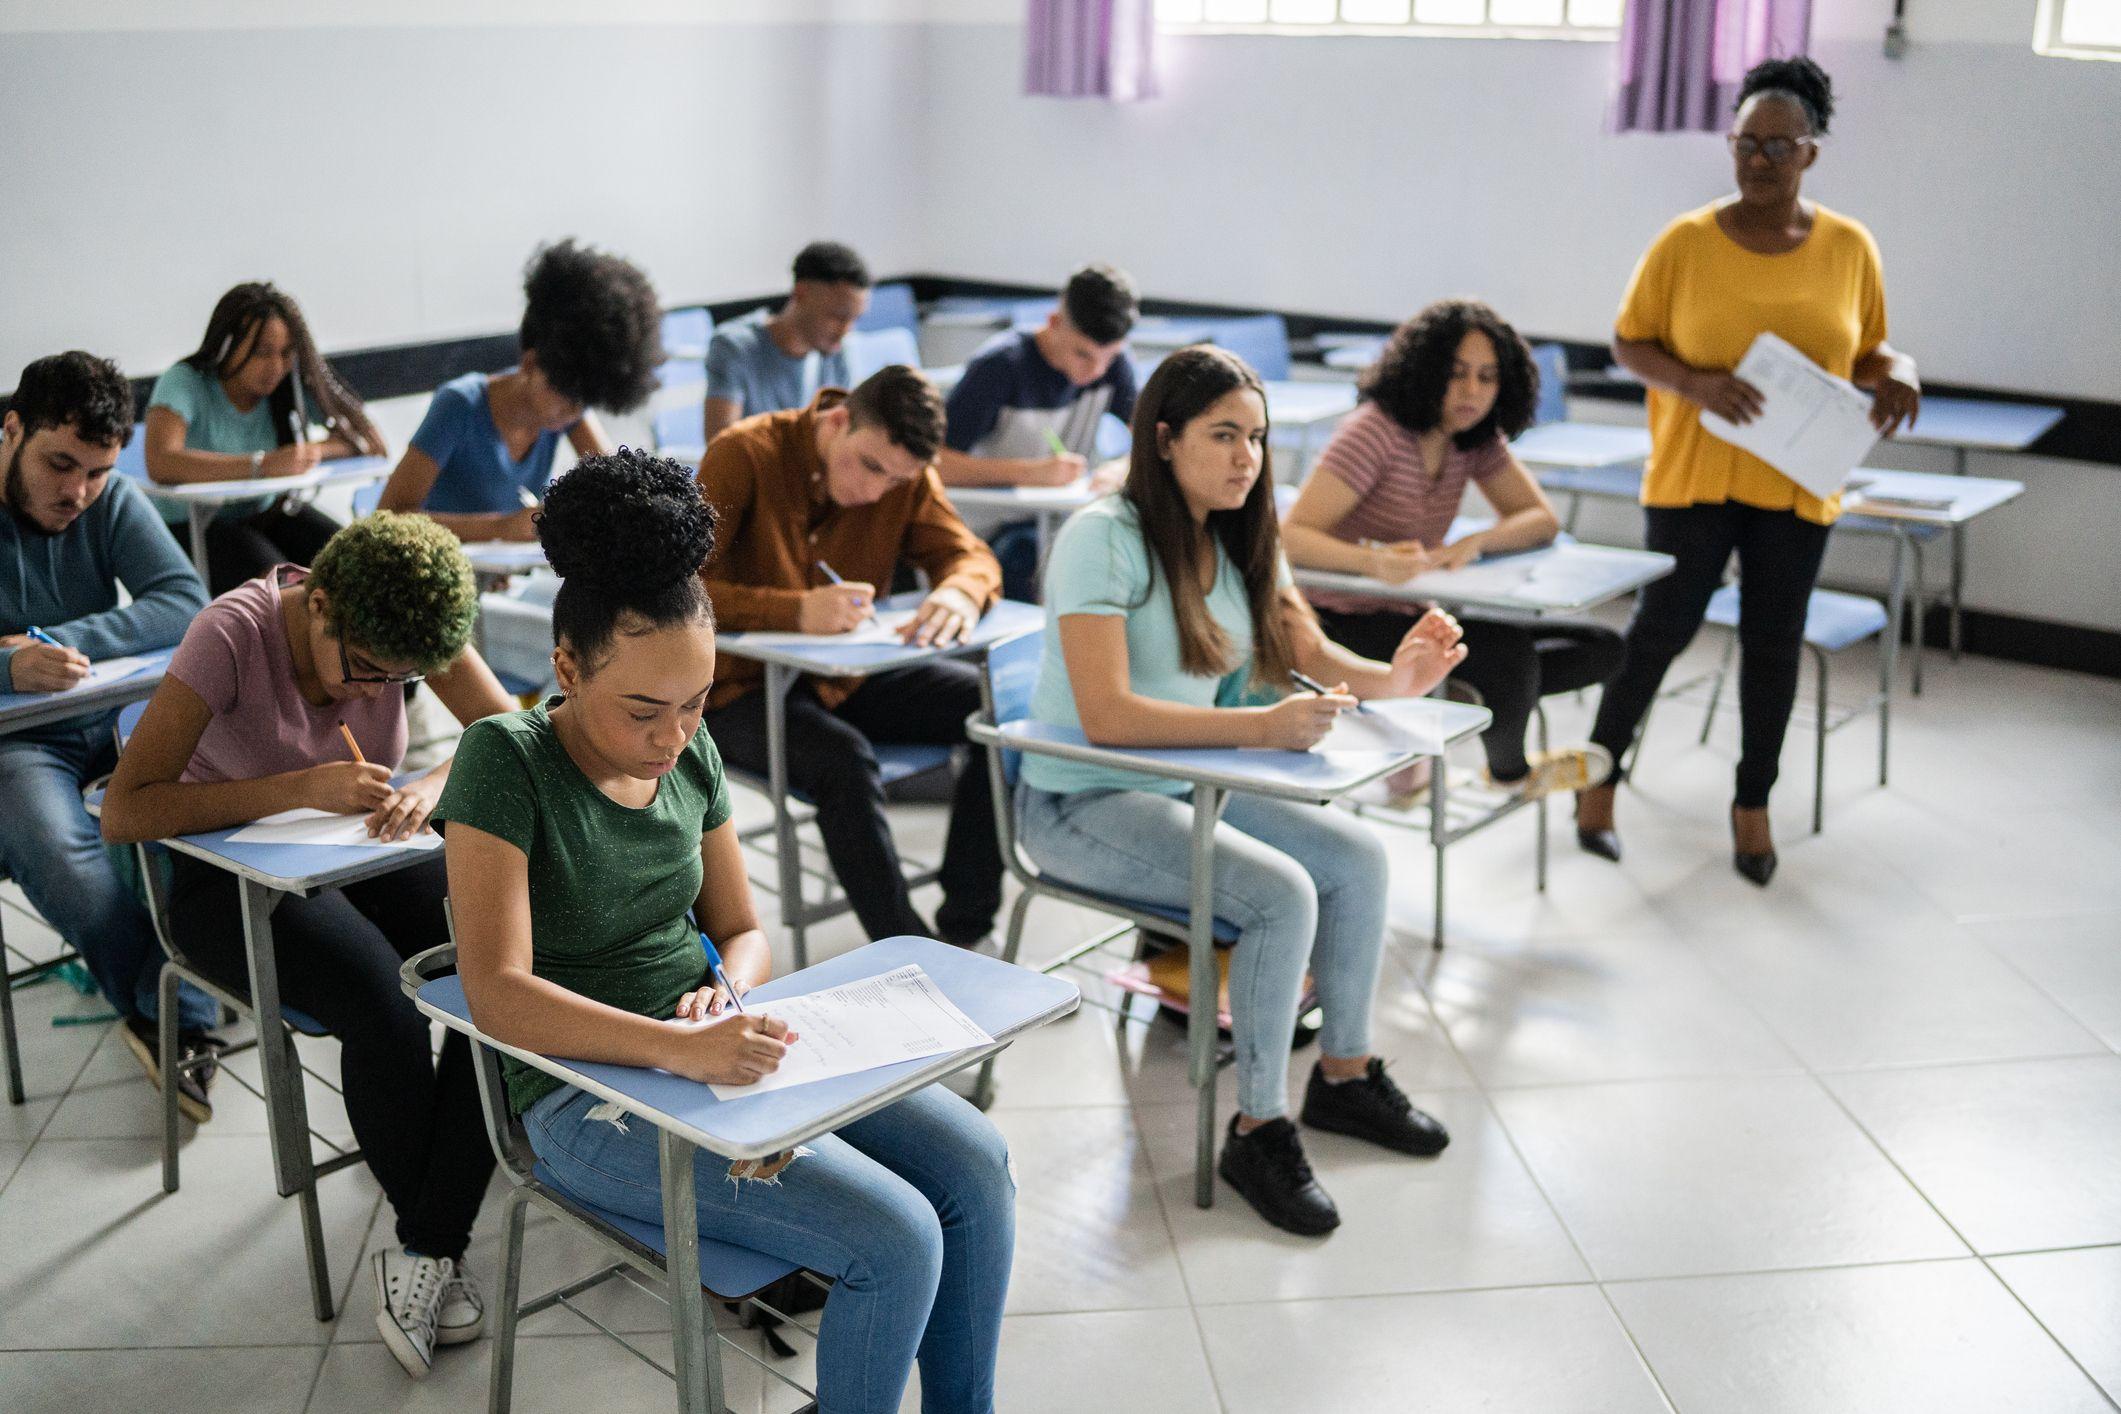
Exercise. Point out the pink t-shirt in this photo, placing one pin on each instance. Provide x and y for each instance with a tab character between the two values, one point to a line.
235	656
1397	499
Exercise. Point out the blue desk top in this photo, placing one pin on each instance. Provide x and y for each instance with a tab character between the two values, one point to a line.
1561	578
1979	424
20	711
1006	619
1004	999
346	471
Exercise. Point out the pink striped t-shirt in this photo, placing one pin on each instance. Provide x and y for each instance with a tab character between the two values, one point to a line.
1380	461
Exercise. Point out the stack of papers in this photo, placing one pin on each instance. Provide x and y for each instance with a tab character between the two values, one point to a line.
880	628
110	670
315	827
1814	428
895	1016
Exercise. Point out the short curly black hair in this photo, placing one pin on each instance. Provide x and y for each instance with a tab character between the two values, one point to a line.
77	390
1409	379
400	588
595	324
1799	80
831	263
627	534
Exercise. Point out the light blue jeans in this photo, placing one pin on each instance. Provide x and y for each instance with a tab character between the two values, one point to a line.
1304	885
911	1211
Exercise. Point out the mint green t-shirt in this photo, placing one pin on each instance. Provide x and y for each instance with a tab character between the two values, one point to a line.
212	424
1100	564
610	886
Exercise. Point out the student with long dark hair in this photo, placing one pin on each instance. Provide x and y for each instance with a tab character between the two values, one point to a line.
1163	603
1454	385
1763	260
241	406
585	835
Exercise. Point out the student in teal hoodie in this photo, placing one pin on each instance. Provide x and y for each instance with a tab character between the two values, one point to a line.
71	534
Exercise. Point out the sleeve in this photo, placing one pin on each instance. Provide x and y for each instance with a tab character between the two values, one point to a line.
1870	297
491	787
938	542
178	390
1097	566
1126	384
976	403
729	480
1646	309
726	371
1485	462
709	759
1357	451
165	589
442	430
209	660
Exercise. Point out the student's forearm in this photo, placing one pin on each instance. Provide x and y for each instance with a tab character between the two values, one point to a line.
1330	663
157	810
1314	549
520	1009
962	469
747	957
1526	529
472	526
1130	719
740	608
1654	364
183	466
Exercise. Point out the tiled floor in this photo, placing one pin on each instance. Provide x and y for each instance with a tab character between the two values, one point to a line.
1849	1144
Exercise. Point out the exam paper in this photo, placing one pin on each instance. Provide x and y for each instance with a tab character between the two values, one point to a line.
880	628
1410	724
527	553
1559	577
315	827
895	1016
110	670
1814	428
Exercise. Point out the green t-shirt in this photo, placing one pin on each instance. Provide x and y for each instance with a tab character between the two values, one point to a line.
212	424
610	886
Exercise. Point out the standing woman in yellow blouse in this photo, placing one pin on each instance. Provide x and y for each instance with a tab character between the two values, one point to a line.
1761	260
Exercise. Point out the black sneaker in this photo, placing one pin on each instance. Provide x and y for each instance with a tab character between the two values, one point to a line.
1372	1108
143	1038
1268	1168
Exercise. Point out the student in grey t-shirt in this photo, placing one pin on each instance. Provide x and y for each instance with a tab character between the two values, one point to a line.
774	362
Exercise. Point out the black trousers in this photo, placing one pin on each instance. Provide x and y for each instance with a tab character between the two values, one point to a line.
240	548
417	1121
1778	563
831	762
1512	664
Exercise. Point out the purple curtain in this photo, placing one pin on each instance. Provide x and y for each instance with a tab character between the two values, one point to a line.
1091	49
1681	60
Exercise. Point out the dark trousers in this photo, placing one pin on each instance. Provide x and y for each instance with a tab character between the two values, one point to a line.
1778	563
240	548
1511	664
832	764
417	1120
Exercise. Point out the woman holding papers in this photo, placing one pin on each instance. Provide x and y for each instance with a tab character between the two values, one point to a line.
286	693
1453	386
1164	604
585	836
1761	261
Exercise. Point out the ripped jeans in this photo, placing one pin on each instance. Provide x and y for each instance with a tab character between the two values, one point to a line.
911	1210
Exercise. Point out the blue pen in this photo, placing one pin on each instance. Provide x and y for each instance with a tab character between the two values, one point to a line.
42	637
714	965
829	573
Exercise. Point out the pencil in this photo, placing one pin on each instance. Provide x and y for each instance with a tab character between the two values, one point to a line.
351	744
1060	448
1311	684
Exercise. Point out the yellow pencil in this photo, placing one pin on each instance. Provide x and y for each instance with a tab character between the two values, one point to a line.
351	744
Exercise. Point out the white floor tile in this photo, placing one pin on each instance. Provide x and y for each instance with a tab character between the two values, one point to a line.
2074	958
1060	1364
1927	1338
2017	1156
2076	1295
169	1381
112	1097
553	1375
1664	1178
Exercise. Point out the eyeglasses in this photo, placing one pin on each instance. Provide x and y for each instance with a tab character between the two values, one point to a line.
349	676
1774	149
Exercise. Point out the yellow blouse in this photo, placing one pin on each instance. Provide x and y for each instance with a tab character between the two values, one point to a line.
1704	297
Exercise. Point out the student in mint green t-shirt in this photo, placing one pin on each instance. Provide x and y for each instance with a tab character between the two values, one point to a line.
584	837
1164	603
239	408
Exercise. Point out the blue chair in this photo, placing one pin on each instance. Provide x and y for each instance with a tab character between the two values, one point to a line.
1261	340
1915	535
891	307
686	332
680	373
279	1064
1026	315
132	457
727	1272
367	498
676	426
869	350
1552	361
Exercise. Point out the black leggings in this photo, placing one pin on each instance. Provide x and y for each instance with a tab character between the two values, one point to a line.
418	1122
1778	563
1511	664
240	548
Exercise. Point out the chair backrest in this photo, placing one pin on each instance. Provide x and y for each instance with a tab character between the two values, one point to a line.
504	1130
869	350
1029	314
1552	361
150	857
367	498
686	332
678	422
680	373
1261	340
1008	673
891	307
132	457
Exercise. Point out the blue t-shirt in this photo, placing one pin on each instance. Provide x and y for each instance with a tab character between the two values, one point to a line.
476	475
1010	398
1101	565
745	366
212	424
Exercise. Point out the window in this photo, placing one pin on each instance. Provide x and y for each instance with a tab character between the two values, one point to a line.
1553	19
2079	29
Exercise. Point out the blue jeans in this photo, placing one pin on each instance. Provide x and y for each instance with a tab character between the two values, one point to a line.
1303	885
911	1211
54	851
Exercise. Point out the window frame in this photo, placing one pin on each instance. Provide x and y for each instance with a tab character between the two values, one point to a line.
2047	36
1412	29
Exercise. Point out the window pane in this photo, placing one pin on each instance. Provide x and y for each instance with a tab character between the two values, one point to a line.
1525	12
1178	12
1595	14
1376	12
2091	22
1304	12
1236	12
1450	12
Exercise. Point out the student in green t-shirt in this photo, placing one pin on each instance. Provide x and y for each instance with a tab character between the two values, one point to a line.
584	835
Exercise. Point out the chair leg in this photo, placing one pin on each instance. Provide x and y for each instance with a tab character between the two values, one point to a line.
1819	749
1723	671
15	1093
1439	831
1885	716
306	1194
1922	614
166	1012
500	1386
983	1088
1539	866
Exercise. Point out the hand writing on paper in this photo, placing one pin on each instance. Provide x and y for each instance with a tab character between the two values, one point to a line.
1456	555
39	667
943	618
1300	721
1427	653
834	608
706	1003
734	1050
1725	394
292	460
1059	470
403	813
1398	562
344	787
1109	477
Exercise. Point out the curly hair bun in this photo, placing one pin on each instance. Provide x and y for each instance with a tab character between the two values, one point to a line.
1801	79
630	521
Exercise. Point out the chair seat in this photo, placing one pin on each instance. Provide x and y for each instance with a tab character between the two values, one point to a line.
1832	620
729	1271
1879	525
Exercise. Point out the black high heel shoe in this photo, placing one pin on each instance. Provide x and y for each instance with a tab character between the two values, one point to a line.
1605	843
1758	868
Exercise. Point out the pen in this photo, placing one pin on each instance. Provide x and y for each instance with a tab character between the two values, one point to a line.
829	572
714	966
351	744
44	638
1060	448
1311	684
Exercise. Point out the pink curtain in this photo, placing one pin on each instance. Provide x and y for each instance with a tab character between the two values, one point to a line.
1680	61
1091	49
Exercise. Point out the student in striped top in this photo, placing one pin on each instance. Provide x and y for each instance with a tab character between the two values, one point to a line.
1439	407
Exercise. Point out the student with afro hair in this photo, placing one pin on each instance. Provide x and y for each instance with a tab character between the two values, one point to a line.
591	339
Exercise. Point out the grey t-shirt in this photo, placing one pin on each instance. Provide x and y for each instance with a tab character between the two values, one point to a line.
745	366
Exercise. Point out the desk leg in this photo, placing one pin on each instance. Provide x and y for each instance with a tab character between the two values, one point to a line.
699	1374
1439	835
287	1113
1044	523
1958	556
198	516
1205	999
787	860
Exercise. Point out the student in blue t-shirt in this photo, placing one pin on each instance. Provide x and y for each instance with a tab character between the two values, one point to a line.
591	338
239	408
1026	411
771	362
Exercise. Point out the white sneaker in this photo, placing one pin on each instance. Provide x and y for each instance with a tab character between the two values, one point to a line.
461	1315
408	1297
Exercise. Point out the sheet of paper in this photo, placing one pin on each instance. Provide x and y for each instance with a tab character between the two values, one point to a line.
1564	575
527	553
895	1016
315	827
1407	724
108	671
1814	428
880	628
